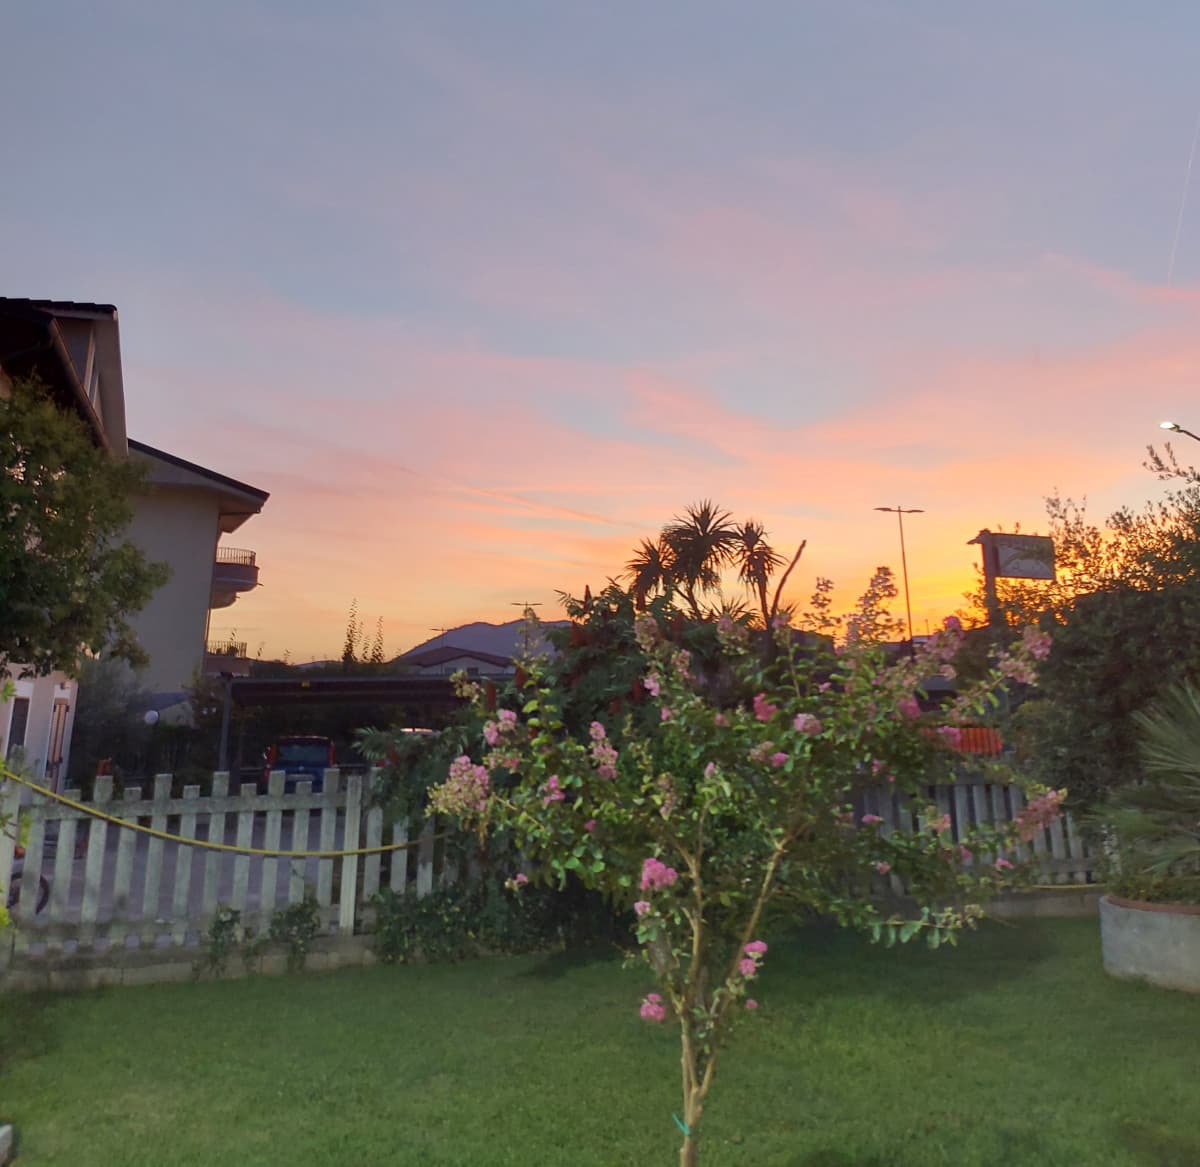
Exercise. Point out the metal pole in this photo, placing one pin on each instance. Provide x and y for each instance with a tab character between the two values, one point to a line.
900	512
904	568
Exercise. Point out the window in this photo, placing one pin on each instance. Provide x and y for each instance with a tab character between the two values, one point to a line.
16	731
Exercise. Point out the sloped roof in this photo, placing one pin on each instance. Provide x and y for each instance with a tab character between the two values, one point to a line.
439	656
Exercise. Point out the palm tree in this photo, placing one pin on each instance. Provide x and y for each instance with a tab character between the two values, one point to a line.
702	541
651	569
756	562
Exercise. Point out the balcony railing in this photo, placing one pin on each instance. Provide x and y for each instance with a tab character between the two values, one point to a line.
235	555
234	648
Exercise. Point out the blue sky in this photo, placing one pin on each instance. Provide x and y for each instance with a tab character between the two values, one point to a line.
484	293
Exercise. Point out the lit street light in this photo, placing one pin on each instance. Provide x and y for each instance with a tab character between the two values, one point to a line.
1176	428
900	512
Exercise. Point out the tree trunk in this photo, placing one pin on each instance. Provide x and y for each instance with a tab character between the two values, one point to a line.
689	1153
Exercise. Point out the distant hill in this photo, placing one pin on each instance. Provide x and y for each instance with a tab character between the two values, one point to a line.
498	639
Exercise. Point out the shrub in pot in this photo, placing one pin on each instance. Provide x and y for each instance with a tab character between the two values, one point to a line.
1150	921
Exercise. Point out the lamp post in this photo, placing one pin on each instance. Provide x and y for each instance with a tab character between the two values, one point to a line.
900	512
1176	428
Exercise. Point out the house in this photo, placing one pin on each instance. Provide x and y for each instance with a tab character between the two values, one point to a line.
74	350
181	519
449	659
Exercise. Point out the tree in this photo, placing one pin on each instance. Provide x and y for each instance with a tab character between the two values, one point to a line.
376	657
350	649
716	811
1125	612
693	550
68	581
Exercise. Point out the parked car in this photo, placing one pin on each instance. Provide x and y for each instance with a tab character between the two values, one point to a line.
301	757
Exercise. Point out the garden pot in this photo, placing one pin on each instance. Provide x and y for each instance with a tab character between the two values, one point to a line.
1157	943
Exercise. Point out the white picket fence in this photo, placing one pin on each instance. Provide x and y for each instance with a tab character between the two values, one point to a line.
1059	852
113	888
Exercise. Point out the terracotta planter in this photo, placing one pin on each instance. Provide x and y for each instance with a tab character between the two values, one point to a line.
1157	943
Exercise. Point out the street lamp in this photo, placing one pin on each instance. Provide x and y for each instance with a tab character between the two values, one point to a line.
900	512
1176	428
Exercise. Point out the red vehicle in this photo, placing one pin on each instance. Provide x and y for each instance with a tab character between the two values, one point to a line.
300	757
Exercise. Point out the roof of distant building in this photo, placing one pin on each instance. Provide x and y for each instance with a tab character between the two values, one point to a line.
449	652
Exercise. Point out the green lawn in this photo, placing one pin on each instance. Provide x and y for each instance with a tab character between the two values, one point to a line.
1012	1050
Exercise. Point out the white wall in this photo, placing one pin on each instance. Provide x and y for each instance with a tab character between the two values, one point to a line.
42	693
180	526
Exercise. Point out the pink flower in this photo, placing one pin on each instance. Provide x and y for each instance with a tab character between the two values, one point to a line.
552	791
596	732
1003	864
1018	671
965	854
763	709
1038	814
710	770
755	948
666	714
751	1004
652	1008
951	735
641	907
721	720
870	819
652	685
908	707
507	720
940	825
465	790
747	967
491	733
1037	643
824	687
883	867
807	723
520	879
590	826
778	759
656	874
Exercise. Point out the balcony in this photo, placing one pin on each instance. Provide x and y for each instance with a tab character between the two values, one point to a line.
226	656
234	571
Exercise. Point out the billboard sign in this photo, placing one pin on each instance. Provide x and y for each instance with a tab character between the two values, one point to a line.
1017	556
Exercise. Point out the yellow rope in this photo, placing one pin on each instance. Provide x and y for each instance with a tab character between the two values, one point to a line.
204	843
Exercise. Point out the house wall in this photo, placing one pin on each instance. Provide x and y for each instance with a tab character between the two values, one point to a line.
42	692
180	526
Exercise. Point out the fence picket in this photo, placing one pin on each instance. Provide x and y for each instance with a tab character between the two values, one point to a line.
64	869
328	837
31	879
118	928
93	869
296	867
425	860
1076	849
184	857
398	873
10	809
154	858
1058	849
374	863
268	894
245	836
349	890
215	860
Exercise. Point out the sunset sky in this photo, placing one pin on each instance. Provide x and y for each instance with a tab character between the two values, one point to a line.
484	293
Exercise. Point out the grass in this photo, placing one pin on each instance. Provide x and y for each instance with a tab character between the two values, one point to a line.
1013	1049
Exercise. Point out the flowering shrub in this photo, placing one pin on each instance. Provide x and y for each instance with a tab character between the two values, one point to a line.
712	814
